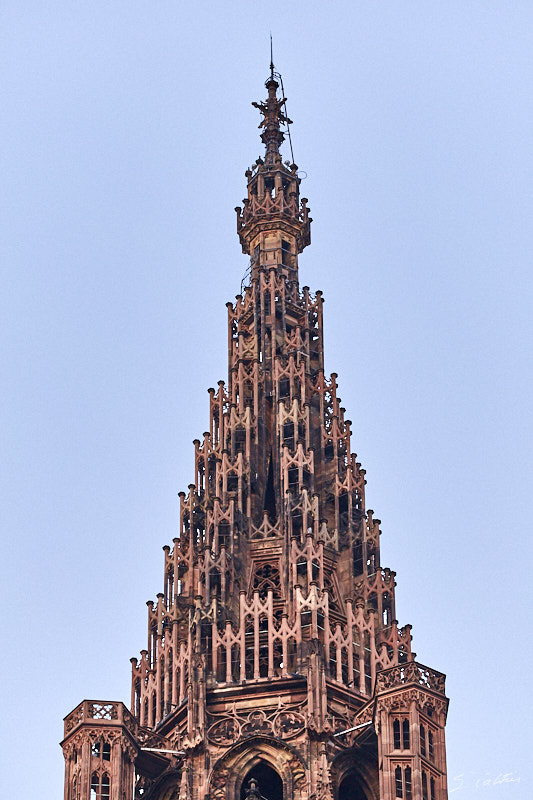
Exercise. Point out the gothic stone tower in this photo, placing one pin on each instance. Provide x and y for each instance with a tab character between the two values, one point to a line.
275	668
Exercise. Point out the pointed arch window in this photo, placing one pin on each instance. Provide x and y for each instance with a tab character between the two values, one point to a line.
424	786
396	731
403	783
398	781
401	735
95	787
430	744
423	750
100	787
105	787
408	784
405	734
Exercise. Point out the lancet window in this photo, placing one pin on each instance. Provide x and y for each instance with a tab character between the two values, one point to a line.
403	783
428	787
100	786
400	729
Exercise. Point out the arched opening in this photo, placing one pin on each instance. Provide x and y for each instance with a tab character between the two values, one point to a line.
351	789
264	781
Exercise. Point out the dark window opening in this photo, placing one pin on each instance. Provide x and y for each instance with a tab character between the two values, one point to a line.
430	744
278	657
104	794
396	730
402	654
106	751
269	504
263	661
405	734
221	665
288	434
215	582
422	741
297	525
398	781
358	558
223	534
268	783
408	784
239	440
284	387
424	786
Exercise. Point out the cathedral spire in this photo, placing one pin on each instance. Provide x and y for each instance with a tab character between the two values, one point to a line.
275	668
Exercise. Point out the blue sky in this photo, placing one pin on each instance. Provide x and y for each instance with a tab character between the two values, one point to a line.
125	133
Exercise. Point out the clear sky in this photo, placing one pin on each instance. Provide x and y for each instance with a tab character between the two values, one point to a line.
125	131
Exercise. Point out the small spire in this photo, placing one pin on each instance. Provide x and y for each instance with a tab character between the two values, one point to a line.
273	116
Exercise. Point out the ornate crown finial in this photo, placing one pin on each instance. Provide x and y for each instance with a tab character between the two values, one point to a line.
273	116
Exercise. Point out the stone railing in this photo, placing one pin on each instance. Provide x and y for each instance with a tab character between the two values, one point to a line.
99	712
410	673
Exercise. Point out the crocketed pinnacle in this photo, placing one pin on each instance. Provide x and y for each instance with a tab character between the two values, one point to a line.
273	116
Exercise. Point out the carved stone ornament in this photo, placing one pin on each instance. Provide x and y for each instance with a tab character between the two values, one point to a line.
410	673
225	732
288	724
297	771
219	781
257	725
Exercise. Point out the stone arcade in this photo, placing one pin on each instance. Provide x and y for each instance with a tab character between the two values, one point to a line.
275	668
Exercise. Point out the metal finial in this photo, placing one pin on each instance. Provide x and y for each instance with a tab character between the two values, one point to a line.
271	59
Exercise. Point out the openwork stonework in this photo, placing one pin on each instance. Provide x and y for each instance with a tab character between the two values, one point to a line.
275	667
